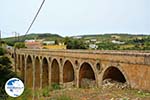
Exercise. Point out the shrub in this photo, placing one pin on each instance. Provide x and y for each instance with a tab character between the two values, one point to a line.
45	91
2	51
55	86
63	97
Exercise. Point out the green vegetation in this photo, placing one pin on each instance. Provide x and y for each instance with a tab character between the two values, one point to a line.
129	42
25	96
102	42
55	86
74	43
49	93
62	97
45	91
19	45
2	51
47	36
107	46
5	72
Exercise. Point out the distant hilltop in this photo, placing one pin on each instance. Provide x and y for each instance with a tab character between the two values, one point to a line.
108	34
47	36
52	36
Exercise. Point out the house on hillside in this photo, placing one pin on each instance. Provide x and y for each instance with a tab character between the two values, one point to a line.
48	42
117	42
93	46
40	44
115	36
93	40
33	44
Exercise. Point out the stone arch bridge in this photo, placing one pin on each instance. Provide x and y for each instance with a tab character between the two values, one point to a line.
40	68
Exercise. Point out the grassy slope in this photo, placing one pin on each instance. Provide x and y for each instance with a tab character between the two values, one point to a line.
46	36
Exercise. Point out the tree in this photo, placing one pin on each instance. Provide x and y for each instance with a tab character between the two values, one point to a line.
19	45
5	71
74	43
56	41
2	51
108	46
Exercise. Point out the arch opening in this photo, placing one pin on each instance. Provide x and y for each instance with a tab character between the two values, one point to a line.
115	74
12	55
19	63
55	72
45	73
37	73
29	72
98	66
68	72
86	76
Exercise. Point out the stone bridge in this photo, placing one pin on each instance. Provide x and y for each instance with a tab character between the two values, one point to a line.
40	68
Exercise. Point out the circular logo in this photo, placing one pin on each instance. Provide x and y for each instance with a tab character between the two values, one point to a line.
14	87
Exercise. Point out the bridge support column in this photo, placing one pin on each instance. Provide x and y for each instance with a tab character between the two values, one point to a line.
21	64
49	73
61	77
23	67
16	62
61	74
41	74
33	75
25	72
33	87
77	78
99	80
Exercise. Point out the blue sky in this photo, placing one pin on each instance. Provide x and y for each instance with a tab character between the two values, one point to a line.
75	17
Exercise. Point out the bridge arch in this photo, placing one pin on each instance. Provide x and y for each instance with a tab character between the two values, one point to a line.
68	72
114	73
86	71
29	71
37	72
55	71
45	71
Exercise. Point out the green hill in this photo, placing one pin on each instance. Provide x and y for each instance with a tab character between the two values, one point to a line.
45	36
113	41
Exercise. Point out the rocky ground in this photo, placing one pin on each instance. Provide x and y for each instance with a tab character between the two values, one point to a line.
98	94
111	90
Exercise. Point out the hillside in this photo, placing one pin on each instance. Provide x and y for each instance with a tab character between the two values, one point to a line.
45	36
113	35
116	41
109	41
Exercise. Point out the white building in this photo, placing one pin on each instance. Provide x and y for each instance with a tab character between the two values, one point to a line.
49	42
117	42
93	46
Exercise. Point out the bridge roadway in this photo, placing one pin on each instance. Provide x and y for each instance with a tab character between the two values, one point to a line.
40	67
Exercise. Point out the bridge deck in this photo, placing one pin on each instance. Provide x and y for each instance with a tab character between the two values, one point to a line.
132	57
118	52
